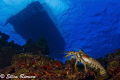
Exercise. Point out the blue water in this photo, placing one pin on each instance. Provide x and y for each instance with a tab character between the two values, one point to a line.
92	25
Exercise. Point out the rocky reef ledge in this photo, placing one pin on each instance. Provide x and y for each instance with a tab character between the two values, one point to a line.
28	63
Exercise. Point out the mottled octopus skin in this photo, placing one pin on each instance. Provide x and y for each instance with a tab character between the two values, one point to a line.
86	60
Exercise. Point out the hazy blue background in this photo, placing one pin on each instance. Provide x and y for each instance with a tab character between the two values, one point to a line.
93	25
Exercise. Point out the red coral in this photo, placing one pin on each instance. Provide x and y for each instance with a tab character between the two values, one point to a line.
118	70
46	67
58	63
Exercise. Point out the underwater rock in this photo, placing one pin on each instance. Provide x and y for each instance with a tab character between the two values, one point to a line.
4	36
15	46
6	54
3	42
118	51
32	60
3	39
8	49
113	66
43	67
44	45
38	46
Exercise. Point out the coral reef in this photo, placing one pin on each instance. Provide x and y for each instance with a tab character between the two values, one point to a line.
28	66
31	62
8	49
42	67
113	66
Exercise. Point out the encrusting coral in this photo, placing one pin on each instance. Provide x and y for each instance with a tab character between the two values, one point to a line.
42	67
32	61
113	66
8	49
